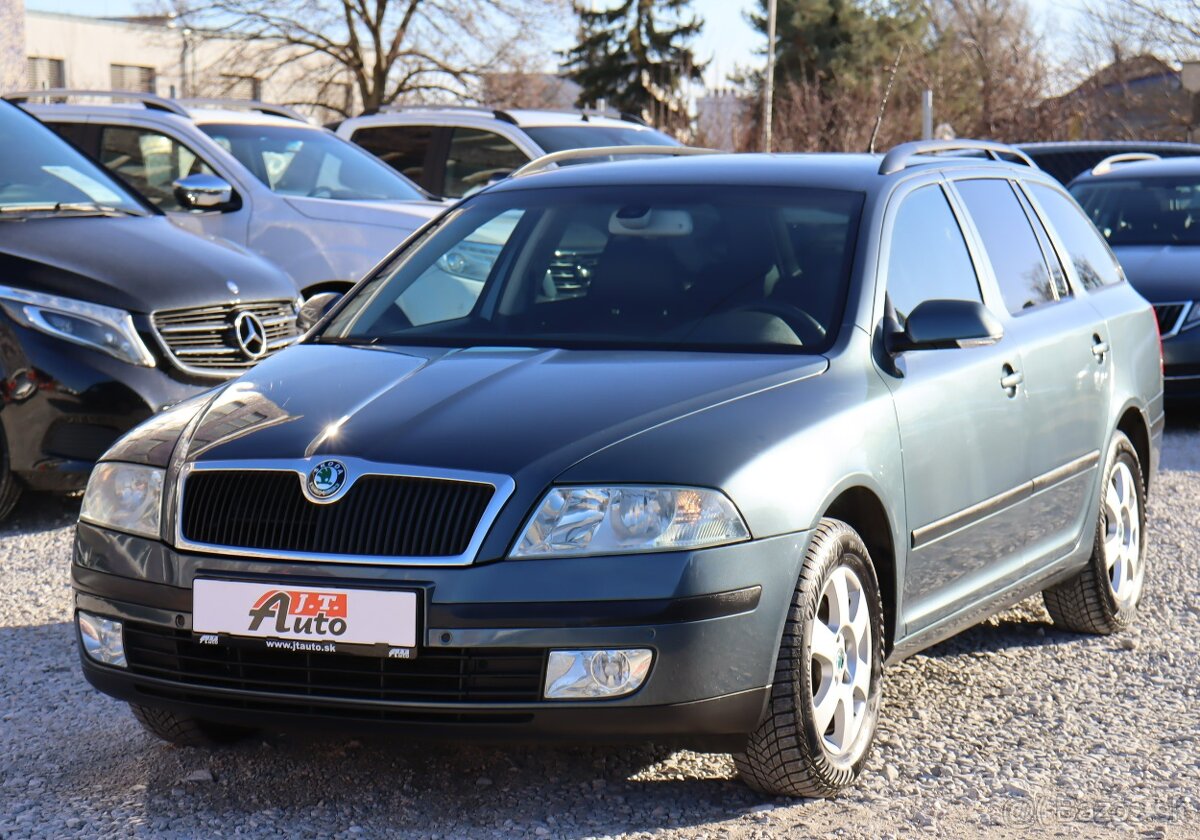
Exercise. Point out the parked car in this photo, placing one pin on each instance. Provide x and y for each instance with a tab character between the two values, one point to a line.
808	415
1067	160
108	312
255	174
1149	211
452	151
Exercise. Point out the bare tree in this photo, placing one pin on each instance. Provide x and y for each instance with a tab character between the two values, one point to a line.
388	51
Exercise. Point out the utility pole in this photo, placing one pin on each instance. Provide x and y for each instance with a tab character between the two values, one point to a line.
769	87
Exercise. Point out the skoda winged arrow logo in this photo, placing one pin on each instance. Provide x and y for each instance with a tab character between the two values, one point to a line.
251	335
326	478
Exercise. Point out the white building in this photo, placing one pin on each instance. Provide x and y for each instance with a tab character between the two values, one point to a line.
12	43
153	55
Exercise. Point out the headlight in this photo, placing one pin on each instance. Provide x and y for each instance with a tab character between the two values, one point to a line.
470	260
573	521
102	328
1193	316
124	497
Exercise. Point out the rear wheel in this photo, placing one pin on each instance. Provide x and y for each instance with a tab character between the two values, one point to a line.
187	731
1103	598
820	722
10	485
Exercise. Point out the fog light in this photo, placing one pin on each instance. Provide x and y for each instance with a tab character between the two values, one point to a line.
594	674
103	639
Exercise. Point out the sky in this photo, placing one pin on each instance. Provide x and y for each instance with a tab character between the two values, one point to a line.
726	41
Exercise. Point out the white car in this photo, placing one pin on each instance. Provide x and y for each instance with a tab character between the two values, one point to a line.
262	176
454	151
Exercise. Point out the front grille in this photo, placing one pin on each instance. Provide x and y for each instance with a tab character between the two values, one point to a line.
202	339
1168	315
381	516
436	675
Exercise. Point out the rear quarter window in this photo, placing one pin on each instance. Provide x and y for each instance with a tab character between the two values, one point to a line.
1094	263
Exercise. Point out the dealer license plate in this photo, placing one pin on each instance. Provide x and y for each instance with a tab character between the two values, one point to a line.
306	618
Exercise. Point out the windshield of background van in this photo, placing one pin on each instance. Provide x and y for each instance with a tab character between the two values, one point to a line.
1144	211
37	167
707	267
311	163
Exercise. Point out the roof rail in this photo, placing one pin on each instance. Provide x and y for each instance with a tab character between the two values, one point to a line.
555	158
148	100
1105	166
900	157
433	107
243	105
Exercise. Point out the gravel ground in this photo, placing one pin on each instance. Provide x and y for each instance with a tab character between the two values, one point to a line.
1013	729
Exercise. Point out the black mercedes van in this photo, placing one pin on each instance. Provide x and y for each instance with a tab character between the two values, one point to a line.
108	311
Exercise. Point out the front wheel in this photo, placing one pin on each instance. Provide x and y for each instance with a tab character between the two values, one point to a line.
820	722
186	731
10	485
1103	598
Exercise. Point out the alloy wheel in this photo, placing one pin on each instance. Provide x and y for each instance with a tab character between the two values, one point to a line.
840	642
1123	535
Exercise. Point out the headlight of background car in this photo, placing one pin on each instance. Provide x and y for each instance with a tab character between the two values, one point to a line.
574	521
100	327
470	260
124	497
1193	316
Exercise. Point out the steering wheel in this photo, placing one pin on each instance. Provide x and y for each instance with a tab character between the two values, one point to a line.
805	326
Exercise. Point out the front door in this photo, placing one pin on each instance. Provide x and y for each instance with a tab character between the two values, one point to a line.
962	418
151	161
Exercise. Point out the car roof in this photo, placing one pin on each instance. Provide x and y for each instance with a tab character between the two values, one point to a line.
1114	146
831	170
519	117
1147	168
198	114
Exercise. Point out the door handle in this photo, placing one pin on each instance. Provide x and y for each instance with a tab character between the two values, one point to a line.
1099	348
1011	379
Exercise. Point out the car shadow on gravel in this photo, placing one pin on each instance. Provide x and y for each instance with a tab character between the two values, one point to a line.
37	512
1024	626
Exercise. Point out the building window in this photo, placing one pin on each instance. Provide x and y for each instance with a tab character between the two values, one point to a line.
241	87
132	77
42	73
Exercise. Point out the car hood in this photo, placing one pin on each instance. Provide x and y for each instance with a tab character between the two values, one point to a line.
1162	272
399	215
136	263
525	413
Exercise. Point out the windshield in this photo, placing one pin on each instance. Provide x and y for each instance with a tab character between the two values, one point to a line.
695	267
1144	211
559	138
40	172
313	163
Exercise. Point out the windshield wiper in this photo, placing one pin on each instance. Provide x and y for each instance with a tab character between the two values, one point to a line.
75	207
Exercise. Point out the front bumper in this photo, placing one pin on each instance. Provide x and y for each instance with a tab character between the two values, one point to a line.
713	619
62	405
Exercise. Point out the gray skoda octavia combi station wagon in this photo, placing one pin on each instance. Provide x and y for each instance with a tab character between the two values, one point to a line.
800	417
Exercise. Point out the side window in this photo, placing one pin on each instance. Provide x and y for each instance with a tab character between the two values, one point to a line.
1010	243
928	256
475	157
149	161
403	147
1086	249
76	133
1058	275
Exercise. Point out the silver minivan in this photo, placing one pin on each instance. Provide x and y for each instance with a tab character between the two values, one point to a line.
260	175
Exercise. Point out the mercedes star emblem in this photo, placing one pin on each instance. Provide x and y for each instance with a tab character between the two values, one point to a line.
251	335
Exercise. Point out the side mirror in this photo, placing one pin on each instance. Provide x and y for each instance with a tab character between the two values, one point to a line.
316	308
204	192
941	324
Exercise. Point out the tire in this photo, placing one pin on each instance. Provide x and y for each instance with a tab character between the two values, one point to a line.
187	731
10	485
789	754
1104	596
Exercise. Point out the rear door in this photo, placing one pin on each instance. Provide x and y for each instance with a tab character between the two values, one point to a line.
962	430
1066	361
